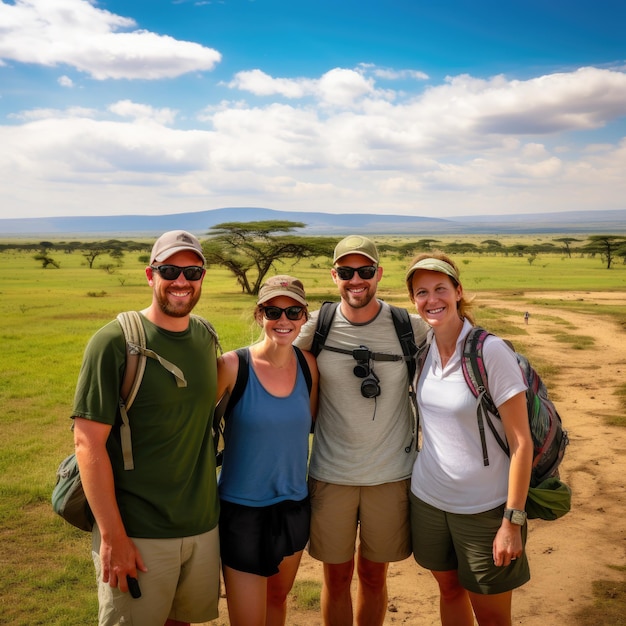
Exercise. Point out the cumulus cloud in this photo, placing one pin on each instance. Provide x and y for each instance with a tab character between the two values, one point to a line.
339	86
339	142
142	112
94	41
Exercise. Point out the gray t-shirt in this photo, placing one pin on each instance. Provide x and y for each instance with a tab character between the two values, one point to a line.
362	441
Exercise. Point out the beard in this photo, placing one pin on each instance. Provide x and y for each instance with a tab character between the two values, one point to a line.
177	309
358	301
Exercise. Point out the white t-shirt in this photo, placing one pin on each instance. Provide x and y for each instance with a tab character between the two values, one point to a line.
449	472
362	441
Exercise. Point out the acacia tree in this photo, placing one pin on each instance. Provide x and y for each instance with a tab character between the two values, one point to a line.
566	241
250	249
605	245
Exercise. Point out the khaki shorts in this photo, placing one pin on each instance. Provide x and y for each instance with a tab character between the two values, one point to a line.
379	513
451	541
182	582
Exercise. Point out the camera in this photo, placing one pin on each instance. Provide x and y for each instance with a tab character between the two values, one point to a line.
369	386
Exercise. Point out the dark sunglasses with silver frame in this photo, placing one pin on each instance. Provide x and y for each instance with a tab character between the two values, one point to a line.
366	272
273	313
172	272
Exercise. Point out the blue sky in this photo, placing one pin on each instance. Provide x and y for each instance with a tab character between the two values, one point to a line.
410	107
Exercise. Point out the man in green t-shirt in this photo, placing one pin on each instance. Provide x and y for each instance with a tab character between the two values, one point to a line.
157	523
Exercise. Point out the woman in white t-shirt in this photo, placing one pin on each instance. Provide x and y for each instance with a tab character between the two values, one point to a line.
468	520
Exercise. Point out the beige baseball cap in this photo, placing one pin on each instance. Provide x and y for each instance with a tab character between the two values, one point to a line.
282	285
175	241
356	244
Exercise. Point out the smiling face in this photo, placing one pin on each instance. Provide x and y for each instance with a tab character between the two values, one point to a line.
176	298
436	297
357	292
282	330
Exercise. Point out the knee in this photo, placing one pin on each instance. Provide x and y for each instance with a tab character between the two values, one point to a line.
372	575
449	586
277	596
338	577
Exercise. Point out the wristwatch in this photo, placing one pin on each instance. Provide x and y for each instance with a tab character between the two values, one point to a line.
515	516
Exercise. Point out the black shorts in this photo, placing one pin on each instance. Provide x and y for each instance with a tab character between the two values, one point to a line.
256	539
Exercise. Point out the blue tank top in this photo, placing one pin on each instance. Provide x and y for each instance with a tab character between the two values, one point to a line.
266	446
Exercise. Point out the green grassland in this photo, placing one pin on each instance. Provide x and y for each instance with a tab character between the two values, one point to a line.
49	314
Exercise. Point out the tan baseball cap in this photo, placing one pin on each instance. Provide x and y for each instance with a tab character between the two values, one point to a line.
175	241
282	285
356	244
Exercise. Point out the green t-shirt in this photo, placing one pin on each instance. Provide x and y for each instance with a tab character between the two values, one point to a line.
172	491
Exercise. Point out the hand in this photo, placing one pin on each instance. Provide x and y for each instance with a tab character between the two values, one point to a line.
507	546
120	562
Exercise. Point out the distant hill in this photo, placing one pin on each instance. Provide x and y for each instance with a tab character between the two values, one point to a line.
609	222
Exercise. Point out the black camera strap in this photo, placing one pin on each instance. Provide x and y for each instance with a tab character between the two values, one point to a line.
375	356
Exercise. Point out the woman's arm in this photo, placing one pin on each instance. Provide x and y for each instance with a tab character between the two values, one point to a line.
508	542
227	368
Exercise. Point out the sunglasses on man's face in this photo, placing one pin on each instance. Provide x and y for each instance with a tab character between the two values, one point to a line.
172	272
274	313
367	272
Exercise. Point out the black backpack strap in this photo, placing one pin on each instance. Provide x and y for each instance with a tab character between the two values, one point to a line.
304	366
226	403
406	336
324	320
242	379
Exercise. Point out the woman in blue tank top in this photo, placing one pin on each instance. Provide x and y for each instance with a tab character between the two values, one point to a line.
265	511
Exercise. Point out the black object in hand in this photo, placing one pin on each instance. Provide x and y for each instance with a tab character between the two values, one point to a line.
133	587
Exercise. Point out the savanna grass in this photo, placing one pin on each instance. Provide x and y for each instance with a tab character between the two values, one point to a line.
48	316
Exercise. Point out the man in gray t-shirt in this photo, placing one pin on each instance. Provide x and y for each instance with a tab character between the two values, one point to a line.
363	449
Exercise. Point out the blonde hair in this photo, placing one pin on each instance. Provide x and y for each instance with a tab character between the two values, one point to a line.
464	305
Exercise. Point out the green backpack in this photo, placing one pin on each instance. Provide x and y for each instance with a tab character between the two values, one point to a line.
68	496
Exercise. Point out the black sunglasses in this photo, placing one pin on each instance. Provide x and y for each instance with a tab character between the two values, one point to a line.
367	272
274	313
172	272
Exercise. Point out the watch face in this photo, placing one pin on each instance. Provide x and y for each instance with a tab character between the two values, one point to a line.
518	517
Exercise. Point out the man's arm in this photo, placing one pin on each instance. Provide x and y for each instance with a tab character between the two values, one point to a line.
118	554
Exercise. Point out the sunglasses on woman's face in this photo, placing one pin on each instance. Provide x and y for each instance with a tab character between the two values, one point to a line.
274	313
172	272
367	272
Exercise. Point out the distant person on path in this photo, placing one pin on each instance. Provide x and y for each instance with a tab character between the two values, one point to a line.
364	447
526	316
265	510
468	519
157	522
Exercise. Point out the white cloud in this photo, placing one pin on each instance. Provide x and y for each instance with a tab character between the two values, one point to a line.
65	81
338	144
142	112
78	34
337	87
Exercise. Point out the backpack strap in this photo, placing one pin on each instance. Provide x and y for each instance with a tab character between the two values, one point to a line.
136	357
304	366
211	330
135	338
402	325
228	401
324	320
243	354
406	336
475	374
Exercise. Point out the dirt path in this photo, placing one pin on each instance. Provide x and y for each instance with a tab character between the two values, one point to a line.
568	554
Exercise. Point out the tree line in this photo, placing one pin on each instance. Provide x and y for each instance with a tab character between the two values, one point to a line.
249	250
